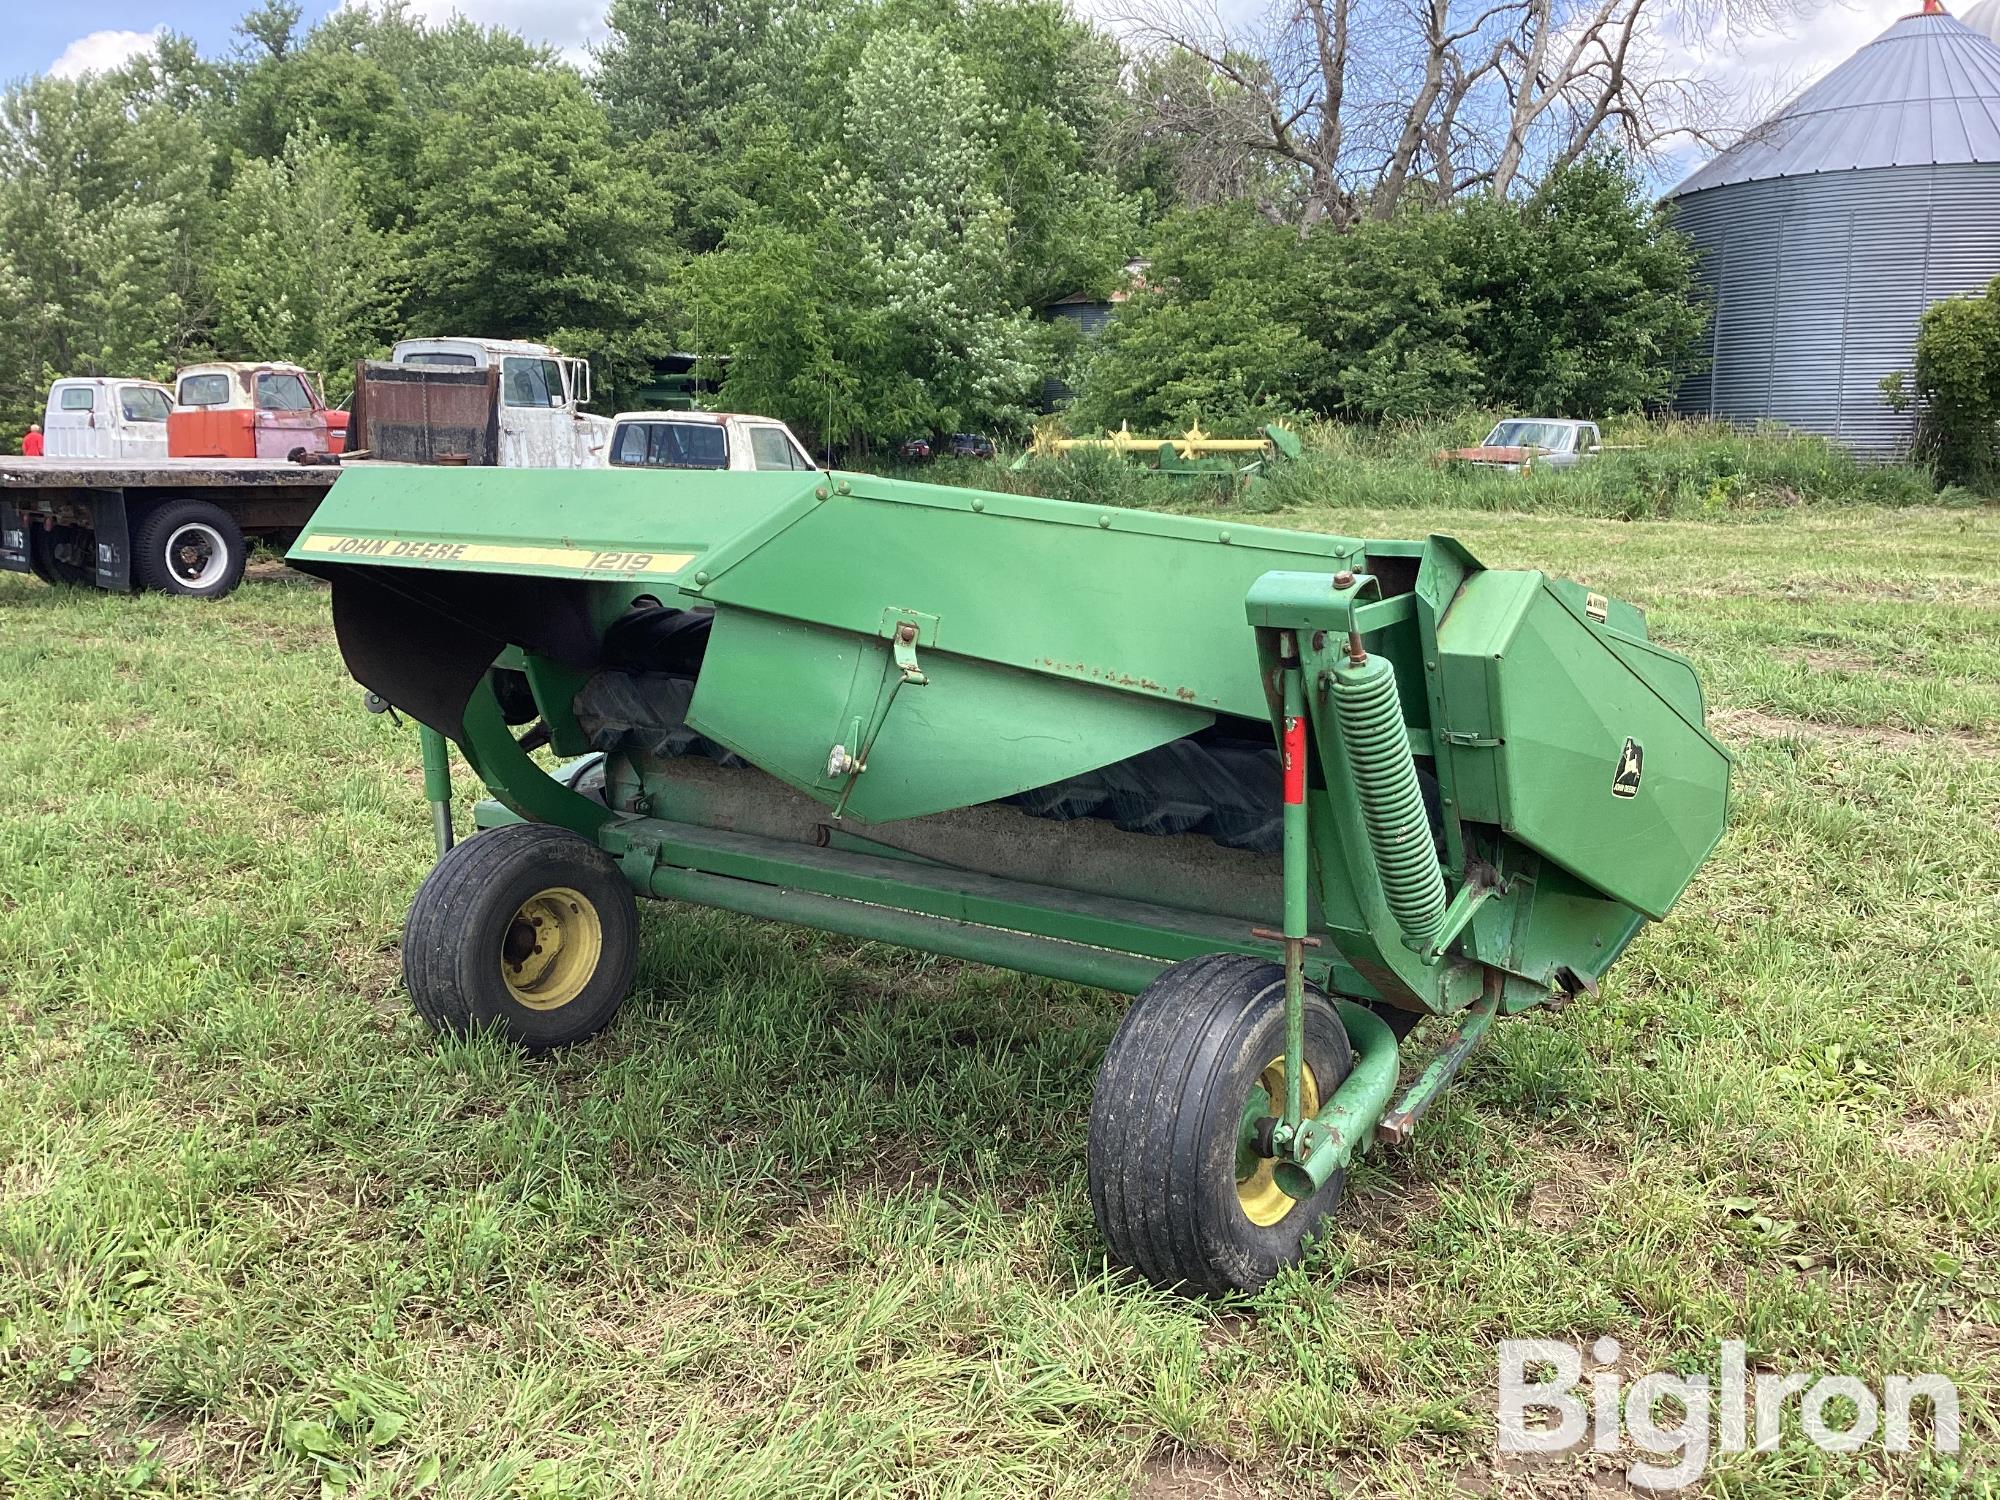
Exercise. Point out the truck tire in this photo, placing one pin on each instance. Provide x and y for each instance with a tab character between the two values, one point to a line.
64	555
189	547
477	949
1179	1193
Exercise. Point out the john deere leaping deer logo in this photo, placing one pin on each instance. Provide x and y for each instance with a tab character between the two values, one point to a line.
1625	781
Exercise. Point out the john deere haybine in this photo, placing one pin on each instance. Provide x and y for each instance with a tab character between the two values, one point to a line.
1294	792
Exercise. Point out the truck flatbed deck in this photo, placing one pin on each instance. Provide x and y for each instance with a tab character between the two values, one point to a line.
165	473
176	524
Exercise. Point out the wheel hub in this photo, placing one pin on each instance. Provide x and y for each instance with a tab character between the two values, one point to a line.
551	948
196	554
1264	1203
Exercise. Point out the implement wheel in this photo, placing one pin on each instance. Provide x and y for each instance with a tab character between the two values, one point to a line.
526	928
1179	1190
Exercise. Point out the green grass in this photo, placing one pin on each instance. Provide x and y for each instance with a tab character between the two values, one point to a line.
811	1221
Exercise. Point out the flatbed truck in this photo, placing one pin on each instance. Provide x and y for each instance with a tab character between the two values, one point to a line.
182	526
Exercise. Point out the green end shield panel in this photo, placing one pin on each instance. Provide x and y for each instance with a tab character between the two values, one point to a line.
783	694
1582	742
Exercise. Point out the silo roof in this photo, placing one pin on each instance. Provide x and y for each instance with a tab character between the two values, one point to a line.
1984	18
1923	93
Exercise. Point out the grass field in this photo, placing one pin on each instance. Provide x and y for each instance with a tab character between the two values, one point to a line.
811	1220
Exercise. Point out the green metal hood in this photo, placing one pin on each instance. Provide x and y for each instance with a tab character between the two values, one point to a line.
601	524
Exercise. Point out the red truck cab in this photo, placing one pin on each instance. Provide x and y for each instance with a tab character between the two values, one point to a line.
245	410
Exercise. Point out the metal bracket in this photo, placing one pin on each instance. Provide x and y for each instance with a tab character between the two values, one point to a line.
905	630
903	645
1396	1126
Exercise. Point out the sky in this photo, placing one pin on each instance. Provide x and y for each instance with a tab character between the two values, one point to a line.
71	39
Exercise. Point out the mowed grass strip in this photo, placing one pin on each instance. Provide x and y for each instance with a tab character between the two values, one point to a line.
810	1220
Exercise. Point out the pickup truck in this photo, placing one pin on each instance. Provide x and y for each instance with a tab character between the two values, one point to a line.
1519	444
704	440
97	417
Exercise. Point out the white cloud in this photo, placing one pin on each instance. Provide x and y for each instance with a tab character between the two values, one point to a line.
101	51
1761	69
567	25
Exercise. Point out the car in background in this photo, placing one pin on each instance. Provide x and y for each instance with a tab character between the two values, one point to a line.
916	450
722	440
968	445
100	417
1519	444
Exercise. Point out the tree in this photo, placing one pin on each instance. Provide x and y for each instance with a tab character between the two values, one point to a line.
915	185
1957	385
681	65
1213	336
298	273
1363	105
1575	302
103	213
876	302
530	221
1589	294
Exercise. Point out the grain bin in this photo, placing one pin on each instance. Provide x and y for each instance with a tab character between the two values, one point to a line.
1825	233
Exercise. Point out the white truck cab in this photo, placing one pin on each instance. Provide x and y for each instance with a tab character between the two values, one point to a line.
98	417
704	440
542	395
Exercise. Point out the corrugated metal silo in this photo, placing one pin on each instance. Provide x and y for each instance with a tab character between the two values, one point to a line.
1825	232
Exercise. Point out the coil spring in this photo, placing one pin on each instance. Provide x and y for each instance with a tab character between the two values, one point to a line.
1378	752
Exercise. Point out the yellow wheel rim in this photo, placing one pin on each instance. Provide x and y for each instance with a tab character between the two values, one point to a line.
551	948
1264	1202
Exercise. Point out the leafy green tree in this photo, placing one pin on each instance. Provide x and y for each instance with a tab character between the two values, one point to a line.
298	273
1588	293
1212	336
104	206
1957	385
915	185
875	303
682	65
1576	302
1388	304
530	220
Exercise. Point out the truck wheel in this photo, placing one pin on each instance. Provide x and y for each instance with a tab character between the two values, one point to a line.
63	555
1179	1190
526	928
189	547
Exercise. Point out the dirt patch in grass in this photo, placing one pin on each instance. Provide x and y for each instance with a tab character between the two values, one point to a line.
277	570
1180	1475
1834	659
1536	1476
1754	724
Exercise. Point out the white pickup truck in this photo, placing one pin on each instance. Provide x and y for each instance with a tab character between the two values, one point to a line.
1519	444
99	417
704	440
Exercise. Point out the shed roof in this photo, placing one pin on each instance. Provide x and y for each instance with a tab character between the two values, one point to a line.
1923	93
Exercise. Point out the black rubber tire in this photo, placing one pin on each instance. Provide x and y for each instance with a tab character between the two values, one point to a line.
47	566
456	934
1166	1113
152	560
